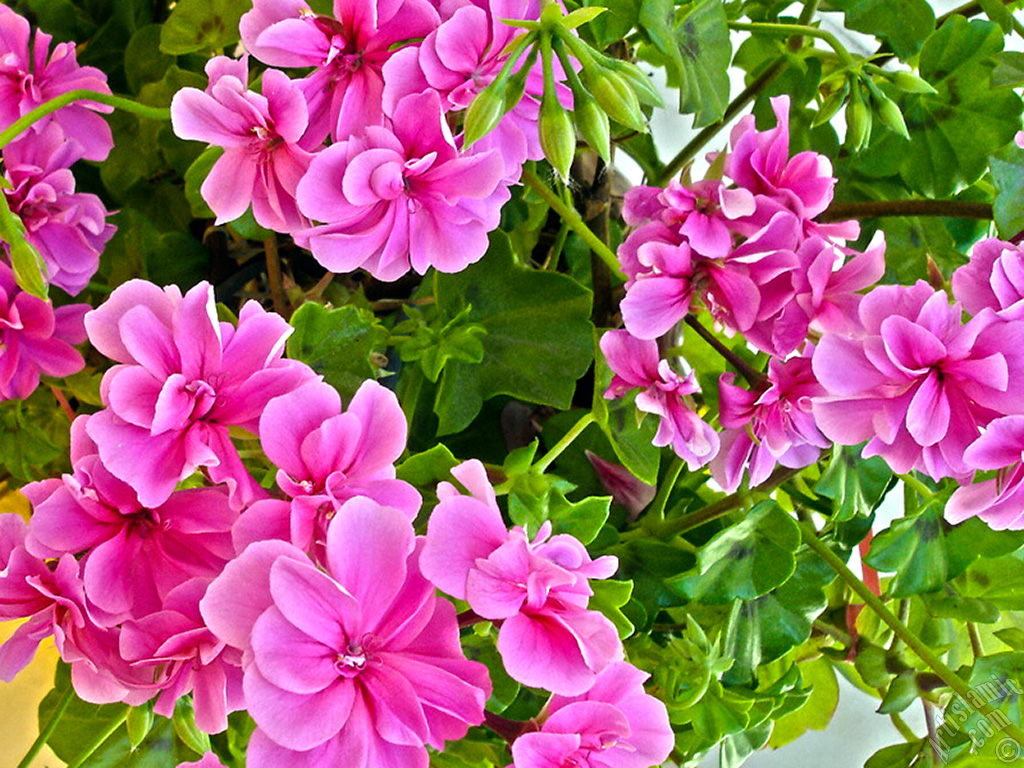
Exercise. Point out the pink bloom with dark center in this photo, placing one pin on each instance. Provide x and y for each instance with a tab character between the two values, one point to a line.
183	381
68	228
30	75
357	665
134	556
537	589
993	278
348	51
636	365
917	383
262	161
769	427
35	338
615	724
401	197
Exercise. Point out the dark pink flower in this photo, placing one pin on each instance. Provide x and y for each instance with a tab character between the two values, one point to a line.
636	365
348	52
917	383
538	589
615	724
68	228
359	665
35	338
184	379
401	197
262	161
30	75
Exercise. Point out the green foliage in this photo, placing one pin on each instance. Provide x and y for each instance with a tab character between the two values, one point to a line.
201	25
904	24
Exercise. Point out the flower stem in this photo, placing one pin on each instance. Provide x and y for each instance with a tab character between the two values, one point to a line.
917	486
789	30
575	222
556	450
754	377
656	514
953	209
49	728
912	641
16	128
101	737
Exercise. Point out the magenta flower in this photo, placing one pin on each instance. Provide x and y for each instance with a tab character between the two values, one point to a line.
615	724
917	383
636	364
134	556
348	52
184	380
537	589
400	198
769	427
326	457
68	229
30	75
993	278
262	161
359	665
35	338
1000	500
209	760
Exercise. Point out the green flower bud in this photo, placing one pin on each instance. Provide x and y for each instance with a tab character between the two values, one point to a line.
615	96
484	112
887	111
516	85
831	106
641	83
858	121
908	82
557	135
592	123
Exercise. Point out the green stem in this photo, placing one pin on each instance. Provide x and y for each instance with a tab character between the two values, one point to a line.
789	30
737	105
656	513
753	376
912	641
556	450
49	728
575	222
901	725
918	487
105	734
872	209
118	102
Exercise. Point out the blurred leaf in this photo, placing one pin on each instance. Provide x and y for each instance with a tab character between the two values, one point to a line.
201	25
1008	175
144	62
904	24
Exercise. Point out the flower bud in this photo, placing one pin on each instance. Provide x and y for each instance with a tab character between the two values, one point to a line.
557	135
887	111
641	83
484	112
858	121
592	123
831	106
28	267
908	82
615	96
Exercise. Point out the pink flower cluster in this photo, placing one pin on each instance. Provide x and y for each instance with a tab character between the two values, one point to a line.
394	190
313	605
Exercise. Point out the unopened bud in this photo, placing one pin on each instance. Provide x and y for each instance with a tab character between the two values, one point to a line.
831	106
592	123
887	111
29	268
557	136
908	82
484	113
858	121
641	83
615	96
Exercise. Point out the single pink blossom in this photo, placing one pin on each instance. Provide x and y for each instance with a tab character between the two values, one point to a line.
183	381
615	724
993	278
998	501
636	365
400	198
768	427
68	228
538	589
348	52
359	665
262	161
31	75
917	383
35	338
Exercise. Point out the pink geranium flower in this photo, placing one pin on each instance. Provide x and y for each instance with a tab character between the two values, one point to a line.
993	278
401	197
262	161
1000	500
917	383
68	228
615	724
35	338
134	556
348	52
359	665
538	589
183	381
636	365
30	75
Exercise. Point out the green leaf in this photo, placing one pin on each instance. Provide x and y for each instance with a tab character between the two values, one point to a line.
746	560
915	549
427	469
954	132
695	46
538	340
194	178
581	519
1009	69
816	712
337	343
614	25
786	613
904	24
144	62
185	727
1012	636
1008	174
902	692
856	486
608	598
434	346
201	25
895	756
